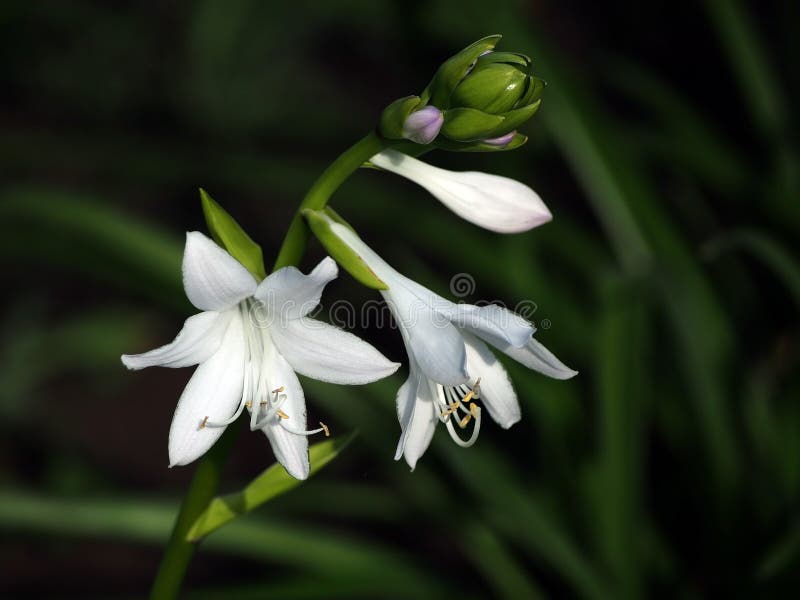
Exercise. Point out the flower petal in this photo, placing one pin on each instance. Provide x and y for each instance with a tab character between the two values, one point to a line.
324	352
492	320
418	417
212	278
290	449
214	391
431	339
199	338
535	356
288	293
490	201
497	392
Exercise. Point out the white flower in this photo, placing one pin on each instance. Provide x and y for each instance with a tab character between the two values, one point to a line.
248	343
490	201
450	364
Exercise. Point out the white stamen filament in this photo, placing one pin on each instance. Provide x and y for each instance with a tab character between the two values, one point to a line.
263	407
455	400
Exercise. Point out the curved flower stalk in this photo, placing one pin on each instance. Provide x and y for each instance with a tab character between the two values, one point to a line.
248	342
451	366
490	201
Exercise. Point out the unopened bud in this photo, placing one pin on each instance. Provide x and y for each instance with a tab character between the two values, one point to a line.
501	141
423	126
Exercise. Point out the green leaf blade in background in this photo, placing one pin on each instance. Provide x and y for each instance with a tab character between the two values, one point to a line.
271	483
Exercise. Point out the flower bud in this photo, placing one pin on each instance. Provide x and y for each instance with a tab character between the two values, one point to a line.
501	141
423	125
475	102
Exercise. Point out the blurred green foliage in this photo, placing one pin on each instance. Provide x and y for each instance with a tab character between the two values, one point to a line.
670	467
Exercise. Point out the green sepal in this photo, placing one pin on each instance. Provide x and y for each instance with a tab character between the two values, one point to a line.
493	89
451	146
468	124
350	261
453	70
230	235
394	115
515	118
271	483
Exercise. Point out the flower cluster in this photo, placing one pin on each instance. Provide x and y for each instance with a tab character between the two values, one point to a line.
254	333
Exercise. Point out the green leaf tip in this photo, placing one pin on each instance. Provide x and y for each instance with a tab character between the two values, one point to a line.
230	235
271	483
320	223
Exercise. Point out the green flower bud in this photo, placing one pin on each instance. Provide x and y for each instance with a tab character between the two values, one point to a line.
482	95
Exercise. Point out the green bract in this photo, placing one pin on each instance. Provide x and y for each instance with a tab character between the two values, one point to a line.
230	235
483	95
319	222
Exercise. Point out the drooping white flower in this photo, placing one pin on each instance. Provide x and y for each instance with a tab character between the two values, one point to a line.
450	364
248	342
490	201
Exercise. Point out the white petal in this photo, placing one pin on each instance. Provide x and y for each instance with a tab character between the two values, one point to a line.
290	449
289	294
200	337
212	278
431	339
497	392
492	320
214	391
489	201
535	356
324	352
418	417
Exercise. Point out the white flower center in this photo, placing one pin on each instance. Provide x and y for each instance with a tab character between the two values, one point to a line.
457	403
264	404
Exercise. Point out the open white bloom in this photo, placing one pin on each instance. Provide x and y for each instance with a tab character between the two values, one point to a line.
451	367
489	201
248	342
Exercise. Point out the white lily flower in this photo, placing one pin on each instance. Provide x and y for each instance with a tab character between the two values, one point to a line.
490	201
248	342
450	364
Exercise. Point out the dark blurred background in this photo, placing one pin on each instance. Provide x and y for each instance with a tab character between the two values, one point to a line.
666	148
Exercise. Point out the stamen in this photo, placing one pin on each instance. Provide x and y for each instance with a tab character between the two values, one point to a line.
281	414
457	403
325	429
205	421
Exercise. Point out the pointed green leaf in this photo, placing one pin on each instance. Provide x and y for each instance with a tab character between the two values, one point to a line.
319	221
515	118
271	483
467	124
230	235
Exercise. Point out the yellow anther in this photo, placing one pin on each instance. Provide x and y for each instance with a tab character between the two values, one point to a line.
262	403
451	410
325	429
474	410
282	414
469	396
248	404
464	421
203	424
278	391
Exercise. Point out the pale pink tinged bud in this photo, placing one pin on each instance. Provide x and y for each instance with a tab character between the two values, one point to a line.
501	141
423	126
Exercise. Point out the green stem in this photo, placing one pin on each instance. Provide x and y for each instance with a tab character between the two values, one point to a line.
179	552
294	244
